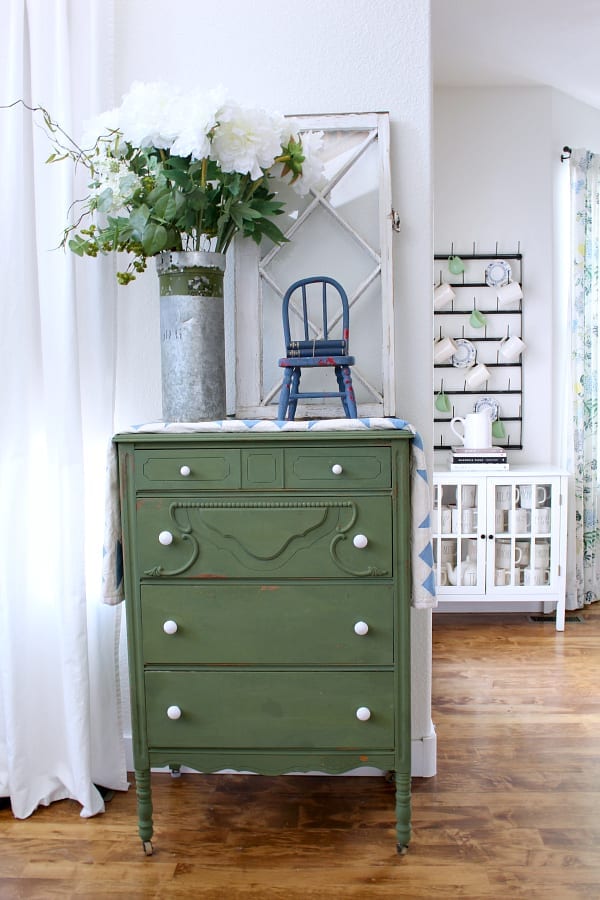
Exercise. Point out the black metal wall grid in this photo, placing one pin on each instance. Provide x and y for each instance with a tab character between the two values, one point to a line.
504	388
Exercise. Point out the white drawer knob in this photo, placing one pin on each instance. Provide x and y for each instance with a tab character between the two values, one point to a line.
165	538
360	541
185	471
337	469
363	713
174	712
360	628
170	627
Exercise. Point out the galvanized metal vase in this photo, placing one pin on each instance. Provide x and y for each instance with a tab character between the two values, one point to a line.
192	335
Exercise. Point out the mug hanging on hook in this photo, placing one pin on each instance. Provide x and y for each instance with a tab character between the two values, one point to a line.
442	401
498	429
443	295
477	318
456	265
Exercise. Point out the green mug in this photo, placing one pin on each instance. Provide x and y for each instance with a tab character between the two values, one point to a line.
456	265
498	430
477	319
442	403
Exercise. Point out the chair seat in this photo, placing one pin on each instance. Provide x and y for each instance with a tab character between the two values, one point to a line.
315	361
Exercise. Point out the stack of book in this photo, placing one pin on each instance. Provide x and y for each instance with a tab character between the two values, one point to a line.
487	459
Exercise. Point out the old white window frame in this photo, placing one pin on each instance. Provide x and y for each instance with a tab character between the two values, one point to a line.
252	278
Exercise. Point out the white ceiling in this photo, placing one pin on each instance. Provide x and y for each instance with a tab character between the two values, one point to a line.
485	43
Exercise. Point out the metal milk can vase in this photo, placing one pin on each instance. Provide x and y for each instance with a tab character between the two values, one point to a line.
192	335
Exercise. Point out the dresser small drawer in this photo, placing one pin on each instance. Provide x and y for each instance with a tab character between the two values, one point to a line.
277	708
338	468
289	536
268	624
193	468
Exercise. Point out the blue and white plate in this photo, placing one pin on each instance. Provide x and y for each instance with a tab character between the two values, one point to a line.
497	273
465	354
488	405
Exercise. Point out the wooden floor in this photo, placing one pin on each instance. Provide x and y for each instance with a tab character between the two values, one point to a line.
514	811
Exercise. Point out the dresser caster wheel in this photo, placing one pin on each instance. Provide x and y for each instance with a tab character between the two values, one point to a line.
402	849
148	848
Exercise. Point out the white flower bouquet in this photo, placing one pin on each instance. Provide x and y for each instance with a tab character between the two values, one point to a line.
183	170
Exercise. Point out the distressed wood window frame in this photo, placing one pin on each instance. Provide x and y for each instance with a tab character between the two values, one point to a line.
254	398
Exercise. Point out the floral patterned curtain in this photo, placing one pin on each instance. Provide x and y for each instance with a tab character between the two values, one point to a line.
584	586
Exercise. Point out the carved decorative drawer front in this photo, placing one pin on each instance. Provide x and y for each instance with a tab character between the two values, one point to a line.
289	536
268	588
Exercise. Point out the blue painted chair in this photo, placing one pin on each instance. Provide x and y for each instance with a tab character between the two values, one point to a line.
322	352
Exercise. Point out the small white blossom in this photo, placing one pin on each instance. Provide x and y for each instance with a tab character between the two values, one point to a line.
114	175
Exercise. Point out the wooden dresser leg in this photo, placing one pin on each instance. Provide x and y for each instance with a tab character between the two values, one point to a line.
144	805
402	812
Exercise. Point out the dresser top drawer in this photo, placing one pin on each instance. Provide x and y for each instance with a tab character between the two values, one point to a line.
193	468
264	468
338	467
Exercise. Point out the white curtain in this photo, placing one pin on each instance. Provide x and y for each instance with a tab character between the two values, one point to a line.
581	455
60	734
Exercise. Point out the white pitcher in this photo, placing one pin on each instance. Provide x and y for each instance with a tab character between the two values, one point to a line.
477	430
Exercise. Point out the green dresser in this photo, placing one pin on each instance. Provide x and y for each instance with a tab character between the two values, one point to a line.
267	592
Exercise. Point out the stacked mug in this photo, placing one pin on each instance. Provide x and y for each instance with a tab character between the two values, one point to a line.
528	515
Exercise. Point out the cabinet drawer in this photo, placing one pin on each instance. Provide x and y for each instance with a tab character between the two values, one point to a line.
268	537
268	624
209	469
270	709
308	468
361	467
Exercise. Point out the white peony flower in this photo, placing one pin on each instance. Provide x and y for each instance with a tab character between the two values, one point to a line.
291	130
312	167
146	115
247	140
193	116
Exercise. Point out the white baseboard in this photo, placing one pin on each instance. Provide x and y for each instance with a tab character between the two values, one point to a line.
488	606
423	758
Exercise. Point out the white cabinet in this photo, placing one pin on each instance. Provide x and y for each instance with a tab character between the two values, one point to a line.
501	536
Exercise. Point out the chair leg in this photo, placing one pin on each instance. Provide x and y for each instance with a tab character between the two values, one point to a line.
296	372
342	390
348	393
284	396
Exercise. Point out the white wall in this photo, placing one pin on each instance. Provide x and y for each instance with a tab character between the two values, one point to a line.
493	169
339	56
498	177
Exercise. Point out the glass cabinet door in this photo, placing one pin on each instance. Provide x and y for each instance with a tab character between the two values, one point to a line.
521	521
459	511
